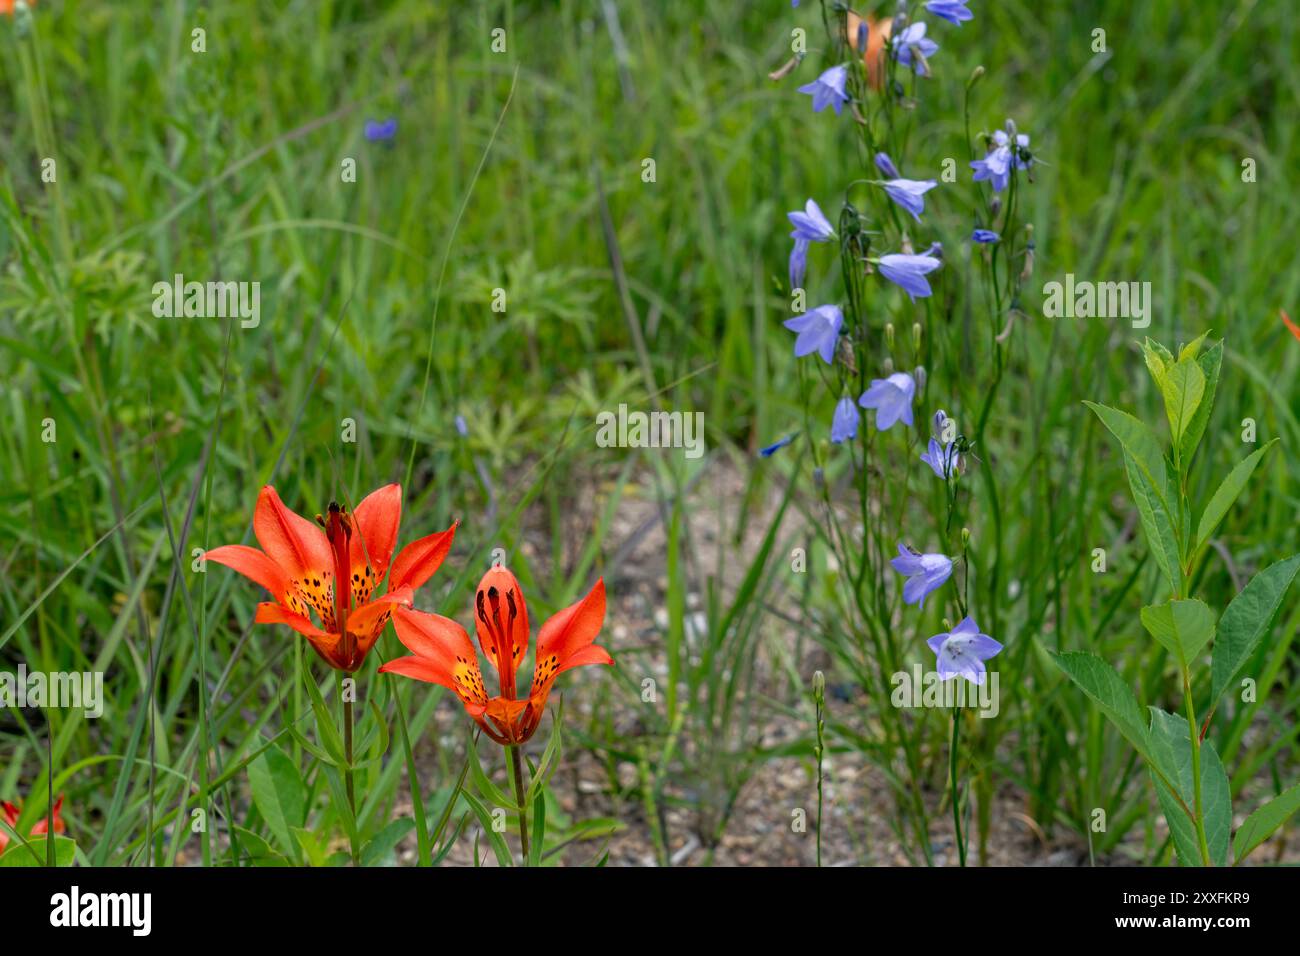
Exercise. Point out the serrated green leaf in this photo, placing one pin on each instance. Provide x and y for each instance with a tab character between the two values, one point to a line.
280	796
1157	523
1137	440
1245	620
1158	360
257	851
310	844
1181	627
1193	348
486	788
1227	493
1148	479
1102	683
383	842
1259	826
499	847
1210	362
1173	748
1183	388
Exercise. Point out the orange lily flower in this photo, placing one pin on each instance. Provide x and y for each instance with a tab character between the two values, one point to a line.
442	652
335	573
873	58
13	812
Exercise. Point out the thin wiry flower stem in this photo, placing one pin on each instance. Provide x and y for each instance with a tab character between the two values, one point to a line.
952	775
347	773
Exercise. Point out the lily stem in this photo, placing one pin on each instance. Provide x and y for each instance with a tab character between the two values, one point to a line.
952	776
347	773
517	772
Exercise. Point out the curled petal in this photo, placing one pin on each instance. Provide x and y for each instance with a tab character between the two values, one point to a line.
375	522
252	564
367	622
416	562
290	540
442	653
565	642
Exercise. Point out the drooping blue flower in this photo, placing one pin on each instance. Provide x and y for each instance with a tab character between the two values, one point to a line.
925	573
819	331
844	423
462	428
909	272
828	89
809	226
985	236
942	455
942	459
954	11
380	132
886	166
909	193
998	161
864	34
776	446
963	651
891	398
910	42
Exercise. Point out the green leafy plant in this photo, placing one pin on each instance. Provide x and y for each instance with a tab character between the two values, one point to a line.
1190	781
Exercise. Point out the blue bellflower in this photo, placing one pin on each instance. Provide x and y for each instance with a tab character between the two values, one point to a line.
809	226
377	132
985	236
844	423
954	11
963	651
819	331
909	272
942	458
909	193
886	166
891	398
828	90
997	162
911	42
925	573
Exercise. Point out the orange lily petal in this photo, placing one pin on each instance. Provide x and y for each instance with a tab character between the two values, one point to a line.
256	566
367	622
442	653
501	619
290	540
874	57
416	562
566	641
374	535
43	824
269	613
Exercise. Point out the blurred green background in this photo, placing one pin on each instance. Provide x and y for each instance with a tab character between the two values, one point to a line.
523	170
